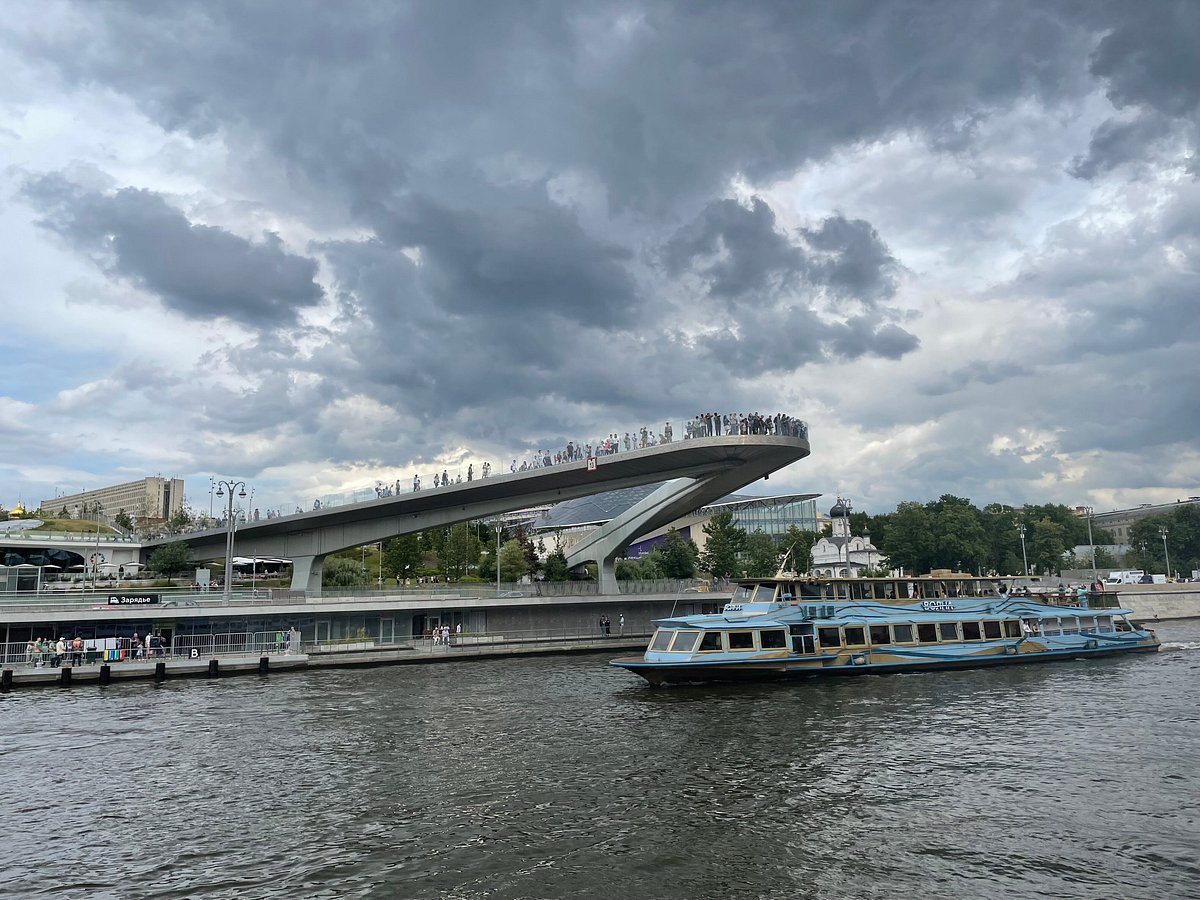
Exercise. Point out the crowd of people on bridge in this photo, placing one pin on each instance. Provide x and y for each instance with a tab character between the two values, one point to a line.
717	424
707	424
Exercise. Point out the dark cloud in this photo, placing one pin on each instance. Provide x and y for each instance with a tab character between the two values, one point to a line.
769	284
200	271
1150	56
1119	141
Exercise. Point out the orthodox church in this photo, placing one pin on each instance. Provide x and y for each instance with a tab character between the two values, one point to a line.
840	554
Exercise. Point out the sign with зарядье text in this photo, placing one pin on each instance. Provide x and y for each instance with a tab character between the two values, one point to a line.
132	599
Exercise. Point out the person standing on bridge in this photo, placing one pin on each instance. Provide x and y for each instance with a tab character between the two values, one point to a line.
621	624
416	483
470	472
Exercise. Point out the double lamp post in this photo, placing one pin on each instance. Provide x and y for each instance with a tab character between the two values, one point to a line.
231	487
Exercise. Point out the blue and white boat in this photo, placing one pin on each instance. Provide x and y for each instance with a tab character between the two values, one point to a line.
783	628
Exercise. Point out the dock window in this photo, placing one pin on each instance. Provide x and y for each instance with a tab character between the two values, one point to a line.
991	630
741	640
830	637
970	631
927	633
904	634
880	635
685	641
855	636
949	630
772	640
710	642
1012	628
662	639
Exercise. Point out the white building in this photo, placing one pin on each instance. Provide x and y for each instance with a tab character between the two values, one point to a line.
840	553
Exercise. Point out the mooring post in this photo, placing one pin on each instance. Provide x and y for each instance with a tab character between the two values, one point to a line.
213	667
6	681
264	665
160	671
105	673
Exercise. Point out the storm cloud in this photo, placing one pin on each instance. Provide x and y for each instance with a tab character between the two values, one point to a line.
199	271
459	228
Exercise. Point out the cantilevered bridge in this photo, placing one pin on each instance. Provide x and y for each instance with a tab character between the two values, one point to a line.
696	472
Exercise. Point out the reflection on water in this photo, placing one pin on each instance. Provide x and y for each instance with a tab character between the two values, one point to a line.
561	777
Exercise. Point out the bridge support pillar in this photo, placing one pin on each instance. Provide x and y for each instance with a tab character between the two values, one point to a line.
669	502
606	570
306	572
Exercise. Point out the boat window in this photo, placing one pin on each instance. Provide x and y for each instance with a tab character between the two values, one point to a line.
991	630
772	640
764	593
1012	628
810	592
830	637
855	636
1104	623
1050	626
904	634
662	639
685	641
741	640
970	631
880	635
743	593
1087	624
927	633
949	630
710	642
1070	625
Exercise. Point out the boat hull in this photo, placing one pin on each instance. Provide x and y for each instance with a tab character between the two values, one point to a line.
802	669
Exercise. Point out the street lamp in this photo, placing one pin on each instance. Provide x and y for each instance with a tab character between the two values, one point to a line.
1163	533
1024	557
222	487
1088	511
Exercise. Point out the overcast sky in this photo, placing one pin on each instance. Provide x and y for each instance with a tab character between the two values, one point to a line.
311	245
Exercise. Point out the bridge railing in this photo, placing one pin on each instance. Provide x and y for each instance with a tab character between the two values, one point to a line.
97	651
172	598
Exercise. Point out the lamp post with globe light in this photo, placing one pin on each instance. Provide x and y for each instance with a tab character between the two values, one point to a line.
1163	532
231	487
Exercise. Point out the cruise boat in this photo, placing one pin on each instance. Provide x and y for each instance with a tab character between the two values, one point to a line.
798	627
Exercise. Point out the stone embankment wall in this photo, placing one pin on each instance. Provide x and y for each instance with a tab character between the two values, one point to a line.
1160	601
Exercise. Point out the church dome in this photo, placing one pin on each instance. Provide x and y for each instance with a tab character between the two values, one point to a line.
839	511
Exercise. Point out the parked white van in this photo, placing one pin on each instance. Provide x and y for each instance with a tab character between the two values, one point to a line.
1130	576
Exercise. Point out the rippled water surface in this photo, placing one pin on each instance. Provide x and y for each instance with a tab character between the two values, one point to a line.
560	777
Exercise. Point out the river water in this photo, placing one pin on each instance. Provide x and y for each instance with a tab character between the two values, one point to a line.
559	777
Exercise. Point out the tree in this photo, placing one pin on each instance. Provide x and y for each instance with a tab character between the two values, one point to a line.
402	555
723	541
556	569
513	564
907	540
179	522
760	555
460	552
796	544
171	559
1046	544
957	538
677	557
342	572
122	520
